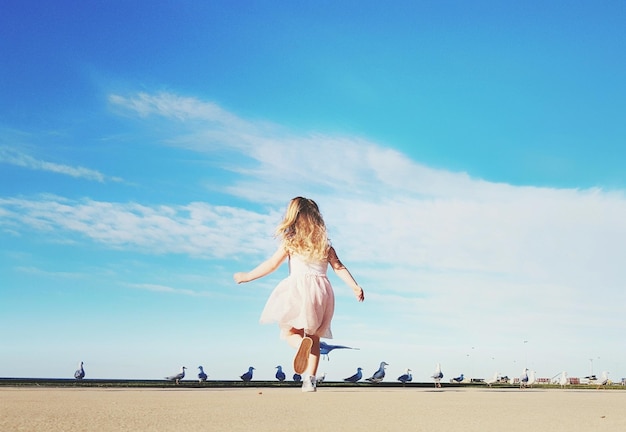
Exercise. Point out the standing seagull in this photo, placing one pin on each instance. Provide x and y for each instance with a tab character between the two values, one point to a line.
523	379
248	375
176	378
80	372
379	375
604	379
407	377
493	379
280	375
201	375
325	349
354	378
437	375
563	380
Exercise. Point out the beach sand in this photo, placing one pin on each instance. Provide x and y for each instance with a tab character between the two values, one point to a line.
333	409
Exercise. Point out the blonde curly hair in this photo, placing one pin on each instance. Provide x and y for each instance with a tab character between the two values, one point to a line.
303	231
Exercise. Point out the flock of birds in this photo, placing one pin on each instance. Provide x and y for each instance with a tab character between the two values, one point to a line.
376	377
527	378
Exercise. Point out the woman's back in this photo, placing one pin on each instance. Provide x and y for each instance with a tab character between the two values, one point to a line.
299	265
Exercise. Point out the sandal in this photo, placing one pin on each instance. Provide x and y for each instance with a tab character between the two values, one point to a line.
301	360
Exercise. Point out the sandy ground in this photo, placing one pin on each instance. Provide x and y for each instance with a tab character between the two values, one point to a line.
287	409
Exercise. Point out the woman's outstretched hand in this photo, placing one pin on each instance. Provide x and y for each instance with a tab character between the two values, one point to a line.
240	277
360	295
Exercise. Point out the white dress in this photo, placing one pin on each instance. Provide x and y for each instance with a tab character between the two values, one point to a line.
303	300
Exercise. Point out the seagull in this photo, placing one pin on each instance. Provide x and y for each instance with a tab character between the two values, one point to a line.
493	379
325	349
321	379
437	375
354	378
407	377
280	375
201	375
563	380
248	375
523	380
604	379
177	377
80	372
531	378
297	377
458	379
379	375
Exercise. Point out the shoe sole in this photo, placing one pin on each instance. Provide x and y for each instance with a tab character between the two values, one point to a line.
301	360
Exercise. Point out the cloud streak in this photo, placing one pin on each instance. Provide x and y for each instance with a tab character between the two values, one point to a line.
15	157
196	229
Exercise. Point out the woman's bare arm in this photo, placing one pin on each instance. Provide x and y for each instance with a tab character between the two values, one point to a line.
263	269
344	274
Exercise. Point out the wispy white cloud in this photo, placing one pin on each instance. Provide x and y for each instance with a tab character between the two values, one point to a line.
50	274
13	156
197	229
170	290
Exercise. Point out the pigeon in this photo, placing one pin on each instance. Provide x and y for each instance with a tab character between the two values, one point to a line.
248	375
458	379
354	378
80	372
201	375
325	349
176	378
437	375
379	375
297	377
280	375
407	377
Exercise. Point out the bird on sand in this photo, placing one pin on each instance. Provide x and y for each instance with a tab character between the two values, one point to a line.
437	375
458	379
532	378
176	378
321	379
379	375
325	349
563	380
80	372
523	379
201	375
407	377
356	377
280	375
297	377
604	379
248	375
493	379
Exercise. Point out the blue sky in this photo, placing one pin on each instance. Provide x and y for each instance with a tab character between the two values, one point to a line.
468	158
